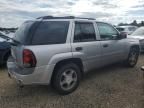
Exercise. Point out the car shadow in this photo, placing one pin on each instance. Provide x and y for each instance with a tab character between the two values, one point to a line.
103	70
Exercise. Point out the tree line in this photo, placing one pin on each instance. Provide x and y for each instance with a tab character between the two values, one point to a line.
134	23
8	29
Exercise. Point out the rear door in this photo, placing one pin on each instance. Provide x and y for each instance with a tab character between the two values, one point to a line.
112	48
85	44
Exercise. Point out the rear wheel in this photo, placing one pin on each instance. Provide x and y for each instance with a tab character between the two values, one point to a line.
67	78
133	57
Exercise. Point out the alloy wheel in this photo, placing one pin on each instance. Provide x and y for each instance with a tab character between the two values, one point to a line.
68	79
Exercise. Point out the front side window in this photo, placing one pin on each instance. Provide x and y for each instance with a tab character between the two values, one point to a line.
106	31
51	32
84	32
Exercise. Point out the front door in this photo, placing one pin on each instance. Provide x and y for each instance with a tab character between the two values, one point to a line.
112	48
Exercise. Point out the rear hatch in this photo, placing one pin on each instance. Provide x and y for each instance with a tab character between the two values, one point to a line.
40	40
22	35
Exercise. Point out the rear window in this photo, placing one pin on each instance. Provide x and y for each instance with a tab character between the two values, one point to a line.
51	32
23	31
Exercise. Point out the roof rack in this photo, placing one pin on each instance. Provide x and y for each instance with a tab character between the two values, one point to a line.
66	17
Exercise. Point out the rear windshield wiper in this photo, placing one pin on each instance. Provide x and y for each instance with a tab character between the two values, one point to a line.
12	42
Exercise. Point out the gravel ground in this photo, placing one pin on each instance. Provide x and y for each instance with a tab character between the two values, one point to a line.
110	87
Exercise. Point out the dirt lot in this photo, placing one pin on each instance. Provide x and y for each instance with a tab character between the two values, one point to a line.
111	87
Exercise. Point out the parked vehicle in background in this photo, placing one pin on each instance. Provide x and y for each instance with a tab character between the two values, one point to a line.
139	34
11	35
59	50
126	29
4	50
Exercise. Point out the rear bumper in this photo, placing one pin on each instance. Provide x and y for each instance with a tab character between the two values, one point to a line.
41	75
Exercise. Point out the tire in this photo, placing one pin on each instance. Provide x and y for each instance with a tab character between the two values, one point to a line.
132	57
67	78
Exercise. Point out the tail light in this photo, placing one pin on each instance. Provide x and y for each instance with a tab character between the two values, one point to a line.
29	59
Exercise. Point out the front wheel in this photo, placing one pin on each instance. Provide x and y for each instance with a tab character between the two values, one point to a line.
133	57
67	78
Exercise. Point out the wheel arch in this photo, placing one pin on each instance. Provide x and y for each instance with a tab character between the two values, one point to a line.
76	61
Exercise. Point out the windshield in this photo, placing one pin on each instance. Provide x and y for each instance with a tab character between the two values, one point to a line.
120	29
22	31
138	32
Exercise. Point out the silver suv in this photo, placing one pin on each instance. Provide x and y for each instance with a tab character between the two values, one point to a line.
59	50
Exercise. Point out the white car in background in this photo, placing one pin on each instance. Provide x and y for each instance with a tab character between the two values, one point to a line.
126	29
10	34
1	39
139	34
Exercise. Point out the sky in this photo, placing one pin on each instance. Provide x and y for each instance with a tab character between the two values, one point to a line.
14	12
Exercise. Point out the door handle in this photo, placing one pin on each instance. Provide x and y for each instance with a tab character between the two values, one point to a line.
79	48
105	45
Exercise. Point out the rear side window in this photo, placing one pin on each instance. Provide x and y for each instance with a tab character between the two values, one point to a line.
51	32
84	32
